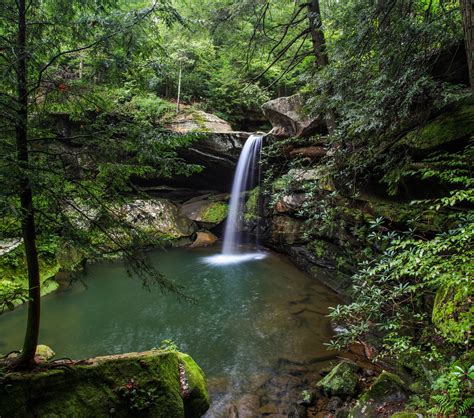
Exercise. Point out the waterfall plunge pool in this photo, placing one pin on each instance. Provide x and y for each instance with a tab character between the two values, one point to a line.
257	328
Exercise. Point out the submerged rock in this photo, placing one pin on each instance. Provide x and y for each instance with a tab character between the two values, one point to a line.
341	381
289	118
135	384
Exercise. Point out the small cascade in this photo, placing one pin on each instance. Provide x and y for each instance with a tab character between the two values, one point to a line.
246	176
244	179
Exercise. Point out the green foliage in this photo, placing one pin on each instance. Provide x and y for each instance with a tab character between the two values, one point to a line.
453	391
137	398
168	345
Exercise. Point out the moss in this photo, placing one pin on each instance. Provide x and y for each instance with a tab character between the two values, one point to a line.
453	311
214	213
197	401
446	128
387	389
251	206
96	389
406	414
405	214
341	381
13	269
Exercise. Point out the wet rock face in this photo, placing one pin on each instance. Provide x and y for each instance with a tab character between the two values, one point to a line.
286	231
288	118
135	384
218	154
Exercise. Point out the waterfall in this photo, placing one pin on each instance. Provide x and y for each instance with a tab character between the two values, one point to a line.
243	180
246	176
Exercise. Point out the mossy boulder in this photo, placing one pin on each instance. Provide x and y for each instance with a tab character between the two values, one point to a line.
44	353
206	211
150	384
385	396
450	126
13	271
453	311
158	217
341	380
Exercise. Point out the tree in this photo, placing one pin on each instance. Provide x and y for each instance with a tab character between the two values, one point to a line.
292	34
467	7
37	40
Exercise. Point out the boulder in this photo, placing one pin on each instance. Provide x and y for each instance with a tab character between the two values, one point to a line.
383	398
197	121
153	383
207	211
43	353
158	217
452	311
204	239
288	118
341	381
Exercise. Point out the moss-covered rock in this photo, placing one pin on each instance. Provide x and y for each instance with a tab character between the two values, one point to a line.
251	205
13	270
341	381
453	311
137	384
44	353
384	397
444	129
158	217
206	211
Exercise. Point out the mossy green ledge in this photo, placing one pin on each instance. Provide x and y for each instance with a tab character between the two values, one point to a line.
164	384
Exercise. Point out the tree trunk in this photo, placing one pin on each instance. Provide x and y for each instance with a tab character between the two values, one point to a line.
467	8
319	48
26	359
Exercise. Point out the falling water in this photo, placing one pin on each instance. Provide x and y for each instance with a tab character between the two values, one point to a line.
243	179
246	176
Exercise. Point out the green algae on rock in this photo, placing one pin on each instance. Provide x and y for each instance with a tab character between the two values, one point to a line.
453	311
449	127
341	381
99	387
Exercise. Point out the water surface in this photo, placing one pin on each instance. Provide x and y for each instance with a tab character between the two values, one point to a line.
257	327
